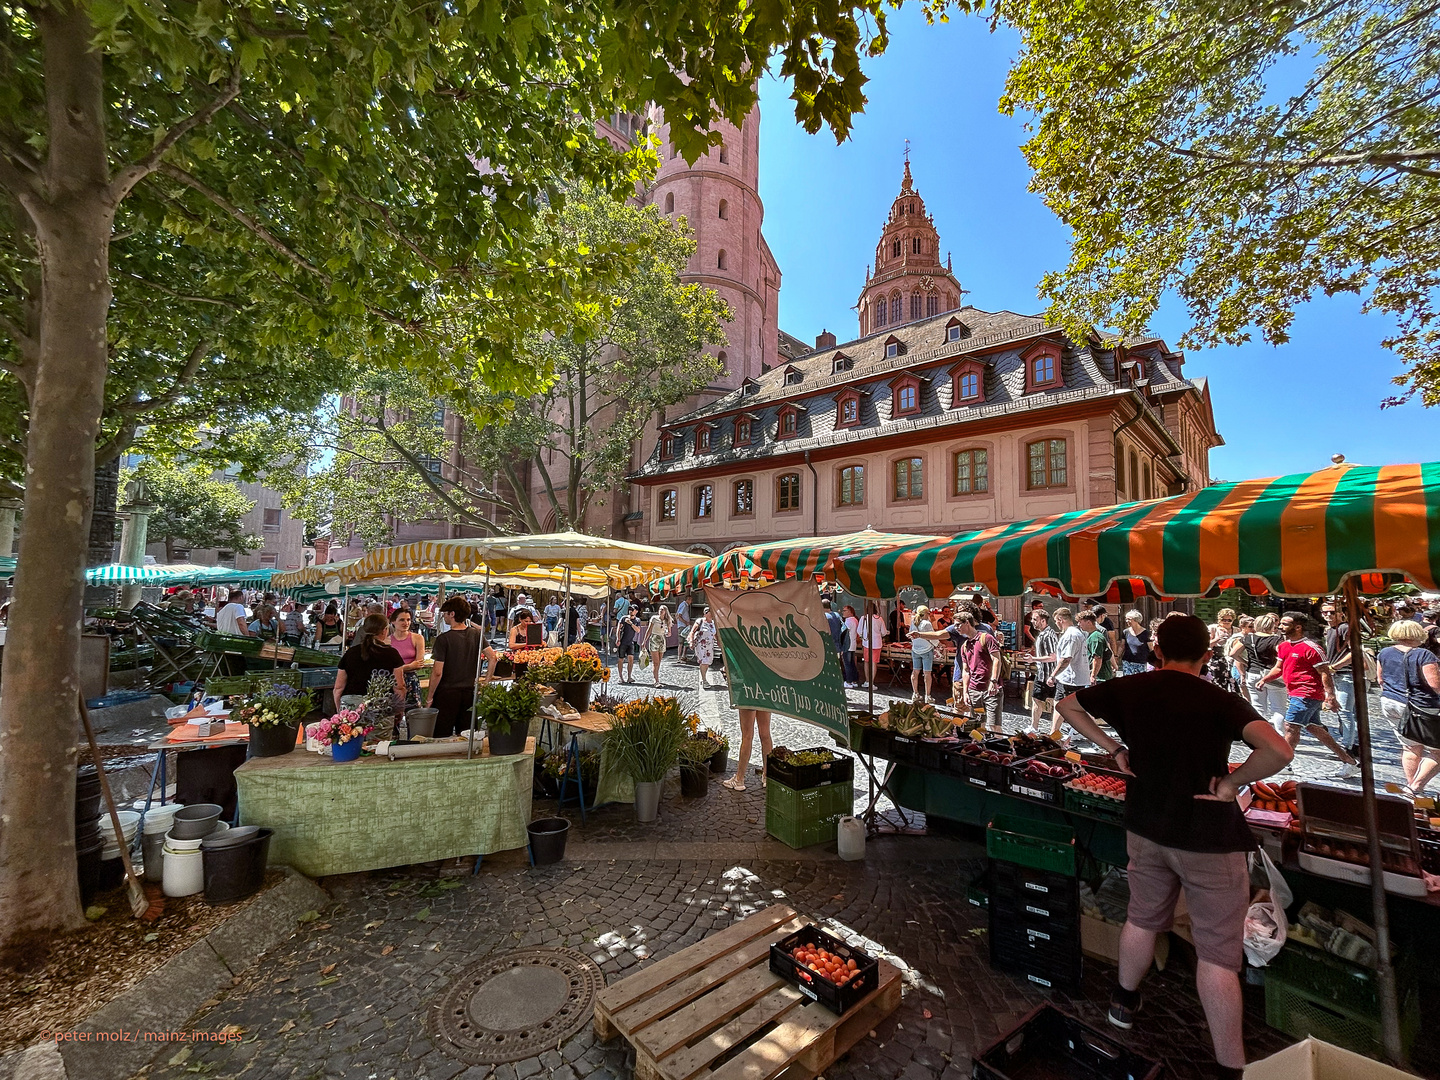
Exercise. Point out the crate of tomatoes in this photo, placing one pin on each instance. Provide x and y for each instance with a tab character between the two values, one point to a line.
1097	792
824	968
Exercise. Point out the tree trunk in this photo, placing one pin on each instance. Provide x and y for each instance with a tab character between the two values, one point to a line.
39	719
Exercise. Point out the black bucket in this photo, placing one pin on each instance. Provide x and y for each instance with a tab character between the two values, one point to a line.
547	839
87	869
235	872
577	694
272	740
694	780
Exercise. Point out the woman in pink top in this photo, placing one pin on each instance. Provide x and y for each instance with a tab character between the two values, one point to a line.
411	647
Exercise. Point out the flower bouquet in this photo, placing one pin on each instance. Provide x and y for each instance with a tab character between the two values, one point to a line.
572	673
382	701
274	714
345	732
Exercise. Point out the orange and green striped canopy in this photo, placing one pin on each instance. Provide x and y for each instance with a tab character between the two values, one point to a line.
1300	535
802	557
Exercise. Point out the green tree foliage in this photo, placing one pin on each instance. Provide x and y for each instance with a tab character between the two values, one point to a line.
1247	156
276	185
193	508
384	452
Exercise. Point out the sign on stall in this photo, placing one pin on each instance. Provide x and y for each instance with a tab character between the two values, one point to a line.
778	653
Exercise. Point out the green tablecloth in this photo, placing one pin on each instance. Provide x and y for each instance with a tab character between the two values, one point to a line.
373	813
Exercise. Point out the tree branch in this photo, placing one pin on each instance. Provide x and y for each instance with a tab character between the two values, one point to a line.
1395	159
179	295
126	179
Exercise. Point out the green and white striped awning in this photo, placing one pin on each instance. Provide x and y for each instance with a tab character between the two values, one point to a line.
121	574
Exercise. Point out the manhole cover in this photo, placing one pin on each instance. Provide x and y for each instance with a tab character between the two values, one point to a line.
516	1006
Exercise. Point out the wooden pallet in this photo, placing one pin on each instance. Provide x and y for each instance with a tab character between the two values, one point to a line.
716	1010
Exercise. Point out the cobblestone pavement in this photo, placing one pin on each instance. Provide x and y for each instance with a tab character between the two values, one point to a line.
347	996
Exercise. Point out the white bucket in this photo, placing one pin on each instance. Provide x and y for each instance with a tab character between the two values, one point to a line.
182	846
159	819
183	872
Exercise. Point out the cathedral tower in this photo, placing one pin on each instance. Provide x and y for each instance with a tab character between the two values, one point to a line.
908	281
719	198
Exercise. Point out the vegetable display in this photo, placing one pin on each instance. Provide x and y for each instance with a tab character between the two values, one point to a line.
978	750
803	757
1109	787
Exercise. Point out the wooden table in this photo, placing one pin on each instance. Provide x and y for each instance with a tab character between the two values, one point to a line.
684	1014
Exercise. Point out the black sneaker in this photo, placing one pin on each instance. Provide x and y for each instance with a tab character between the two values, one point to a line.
1123	1016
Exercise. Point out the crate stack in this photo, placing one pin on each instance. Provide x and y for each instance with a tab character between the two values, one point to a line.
1311	993
1034	903
804	803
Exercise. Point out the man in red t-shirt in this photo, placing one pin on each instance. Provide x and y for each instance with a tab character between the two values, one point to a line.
1301	665
977	663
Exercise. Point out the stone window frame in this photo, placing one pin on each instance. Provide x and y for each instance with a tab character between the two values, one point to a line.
1032	437
674	504
840	471
780	508
735	511
695	502
952	451
907	458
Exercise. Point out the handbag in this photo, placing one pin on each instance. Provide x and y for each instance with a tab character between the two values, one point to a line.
1421	724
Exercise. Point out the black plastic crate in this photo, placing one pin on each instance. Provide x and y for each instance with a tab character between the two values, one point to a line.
838	999
1026	887
905	750
877	742
1043	789
1034	966
1049	1043
980	773
1054	949
800	777
931	754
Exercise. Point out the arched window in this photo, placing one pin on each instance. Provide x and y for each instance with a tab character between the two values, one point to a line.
787	492
724	209
969	386
909	479
704	502
724	157
1042	369
669	202
907	398
850	486
720	262
789	423
721	357
669	502
972	472
915	246
896	314
915	302
1119	470
744	500
702	438
896	248
849	410
742	431
1134	476
1149	491
1049	464
880	308
932	305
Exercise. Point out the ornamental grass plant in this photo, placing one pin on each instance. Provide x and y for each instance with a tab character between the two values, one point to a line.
645	738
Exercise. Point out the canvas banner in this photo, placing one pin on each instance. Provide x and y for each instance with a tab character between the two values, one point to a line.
778	653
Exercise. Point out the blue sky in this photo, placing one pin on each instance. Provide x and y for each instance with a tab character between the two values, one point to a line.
1279	410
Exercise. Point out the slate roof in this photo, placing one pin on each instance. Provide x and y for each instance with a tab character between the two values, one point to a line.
997	339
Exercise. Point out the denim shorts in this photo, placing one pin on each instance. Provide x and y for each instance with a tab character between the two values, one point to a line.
923	661
1302	711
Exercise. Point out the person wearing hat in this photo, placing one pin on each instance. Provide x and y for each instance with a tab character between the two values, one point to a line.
1405	610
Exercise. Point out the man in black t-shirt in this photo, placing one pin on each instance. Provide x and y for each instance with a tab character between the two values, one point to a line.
452	679
1184	829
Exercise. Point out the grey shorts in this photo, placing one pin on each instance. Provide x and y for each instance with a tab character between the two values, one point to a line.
1217	893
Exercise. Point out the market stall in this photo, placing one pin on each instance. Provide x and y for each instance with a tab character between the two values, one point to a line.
1306	534
336	817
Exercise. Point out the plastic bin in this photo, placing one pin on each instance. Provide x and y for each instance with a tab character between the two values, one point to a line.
235	871
812	816
1030	842
1049	1043
799	777
838	999
1044	789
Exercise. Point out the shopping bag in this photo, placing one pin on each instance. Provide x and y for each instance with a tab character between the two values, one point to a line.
1265	922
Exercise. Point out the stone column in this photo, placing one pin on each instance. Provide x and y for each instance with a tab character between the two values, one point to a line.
133	531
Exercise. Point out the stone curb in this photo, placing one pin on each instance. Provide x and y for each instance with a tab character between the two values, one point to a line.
166	998
881	849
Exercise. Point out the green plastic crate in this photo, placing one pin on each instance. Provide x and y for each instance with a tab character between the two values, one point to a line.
1301	1013
1030	842
1334	980
1096	806
802	818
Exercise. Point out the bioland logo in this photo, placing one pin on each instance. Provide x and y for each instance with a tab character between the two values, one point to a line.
781	636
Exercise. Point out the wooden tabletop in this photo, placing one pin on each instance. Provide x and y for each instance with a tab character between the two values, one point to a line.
597	722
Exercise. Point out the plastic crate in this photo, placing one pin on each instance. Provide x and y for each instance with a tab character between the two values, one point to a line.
802	818
318	677
799	777
979	773
1053	953
1029	842
977	894
1326	977
1049	790
838	999
905	750
1050	1043
1096	806
876	742
1298	1012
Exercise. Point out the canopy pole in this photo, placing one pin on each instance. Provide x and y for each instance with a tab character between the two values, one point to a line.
479	657
1384	971
865	656
345	619
565	615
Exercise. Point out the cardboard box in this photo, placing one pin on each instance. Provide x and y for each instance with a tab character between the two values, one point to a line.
1316	1060
1100	940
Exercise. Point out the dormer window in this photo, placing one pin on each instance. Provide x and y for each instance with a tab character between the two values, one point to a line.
748	387
841	363
893	345
1042	366
969	382
703	438
742	430
667	445
789	421
793	377
955	330
906	396
847	409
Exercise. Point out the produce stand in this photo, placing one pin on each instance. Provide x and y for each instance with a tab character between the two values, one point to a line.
338	818
683	1015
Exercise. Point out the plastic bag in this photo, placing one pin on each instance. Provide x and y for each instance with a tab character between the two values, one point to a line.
1265	923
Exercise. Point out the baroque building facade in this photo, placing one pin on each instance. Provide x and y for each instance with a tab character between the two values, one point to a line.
939	417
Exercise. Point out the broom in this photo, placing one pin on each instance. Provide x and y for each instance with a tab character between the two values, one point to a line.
139	904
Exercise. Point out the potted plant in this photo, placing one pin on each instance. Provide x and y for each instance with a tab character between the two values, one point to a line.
557	769
274	714
505	712
644	742
572	673
695	755
345	732
720	760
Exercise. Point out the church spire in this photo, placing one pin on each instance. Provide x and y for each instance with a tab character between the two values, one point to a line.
907	184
